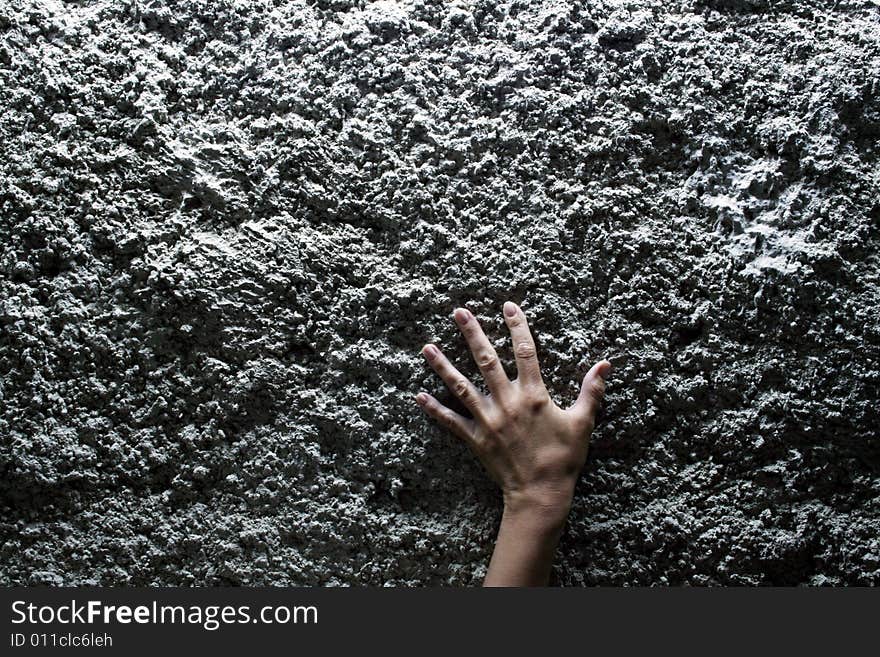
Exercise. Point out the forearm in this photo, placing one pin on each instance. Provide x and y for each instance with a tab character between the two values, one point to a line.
526	543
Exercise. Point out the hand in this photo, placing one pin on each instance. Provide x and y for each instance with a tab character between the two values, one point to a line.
532	448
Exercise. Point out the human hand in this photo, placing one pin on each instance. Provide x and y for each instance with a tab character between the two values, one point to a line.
532	448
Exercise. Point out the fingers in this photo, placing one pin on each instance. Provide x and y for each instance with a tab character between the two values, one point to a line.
527	368
592	392
459	385
484	353
459	425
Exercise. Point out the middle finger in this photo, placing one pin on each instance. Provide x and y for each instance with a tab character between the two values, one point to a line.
484	353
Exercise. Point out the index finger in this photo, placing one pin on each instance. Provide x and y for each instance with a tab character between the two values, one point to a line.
483	351
527	368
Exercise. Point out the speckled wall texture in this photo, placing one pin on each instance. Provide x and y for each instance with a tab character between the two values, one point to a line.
226	229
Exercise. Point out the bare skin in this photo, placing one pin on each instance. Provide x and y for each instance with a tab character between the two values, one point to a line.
533	449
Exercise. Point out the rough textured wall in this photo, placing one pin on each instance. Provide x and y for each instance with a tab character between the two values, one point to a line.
228	227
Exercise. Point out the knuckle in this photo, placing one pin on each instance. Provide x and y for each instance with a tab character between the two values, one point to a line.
597	389
536	401
487	359
494	424
511	411
524	350
461	389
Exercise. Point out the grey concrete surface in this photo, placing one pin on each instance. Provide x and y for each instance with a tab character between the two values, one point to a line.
226	229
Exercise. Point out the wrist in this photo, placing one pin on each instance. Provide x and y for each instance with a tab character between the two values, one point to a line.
544	508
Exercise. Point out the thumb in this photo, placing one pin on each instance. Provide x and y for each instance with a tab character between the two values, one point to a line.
592	391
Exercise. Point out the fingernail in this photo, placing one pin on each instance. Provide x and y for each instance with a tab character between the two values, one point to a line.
461	315
421	399
509	308
430	351
605	369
